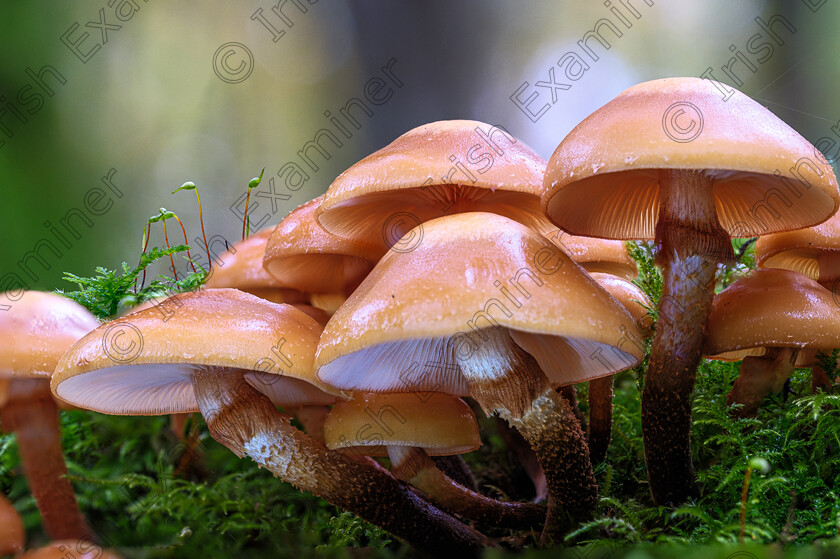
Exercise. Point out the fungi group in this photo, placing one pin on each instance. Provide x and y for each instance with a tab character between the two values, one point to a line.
357	348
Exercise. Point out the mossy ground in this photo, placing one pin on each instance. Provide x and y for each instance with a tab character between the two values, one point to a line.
128	481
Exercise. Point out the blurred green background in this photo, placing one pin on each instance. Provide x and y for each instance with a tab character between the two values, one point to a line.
140	97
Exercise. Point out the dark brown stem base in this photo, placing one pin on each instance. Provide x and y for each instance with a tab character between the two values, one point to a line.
247	423
504	379
414	466
32	415
691	242
600	418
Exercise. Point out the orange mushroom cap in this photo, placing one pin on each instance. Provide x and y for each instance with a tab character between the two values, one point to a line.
240	267
602	180
438	423
420	313
37	330
433	170
141	364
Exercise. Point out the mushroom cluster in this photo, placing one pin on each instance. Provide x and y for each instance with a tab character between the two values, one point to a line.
419	292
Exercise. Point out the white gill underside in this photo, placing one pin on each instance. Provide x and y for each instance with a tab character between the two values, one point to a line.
434	364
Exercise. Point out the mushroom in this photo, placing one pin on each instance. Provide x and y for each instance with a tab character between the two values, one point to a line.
601	390
814	252
410	428
596	255
12	536
206	357
240	267
486	307
436	169
669	160
301	255
34	333
765	319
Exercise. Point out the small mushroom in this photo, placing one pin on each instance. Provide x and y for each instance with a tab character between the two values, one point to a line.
437	169
814	252
601	389
34	333
301	255
765	319
669	160
409	428
486	307
240	267
206	357
12	535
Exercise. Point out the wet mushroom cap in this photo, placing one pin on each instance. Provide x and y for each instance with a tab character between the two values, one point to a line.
302	255
771	308
602	180
631	298
141	364
800	250
240	267
420	313
596	255
421	175
438	423
37	330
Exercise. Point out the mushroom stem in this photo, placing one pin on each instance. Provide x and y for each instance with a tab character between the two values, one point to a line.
455	467
505	380
819	379
32	415
759	377
600	417
412	465
569	392
691	242
247	423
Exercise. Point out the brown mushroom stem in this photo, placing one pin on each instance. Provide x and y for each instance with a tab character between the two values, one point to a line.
691	242
517	444
412	465
569	392
177	423
600	417
247	423
32	415
455	467
759	377
505	380
312	419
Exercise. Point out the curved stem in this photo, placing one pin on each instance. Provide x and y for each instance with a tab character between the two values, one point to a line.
600	417
32	415
186	242
517	444
203	236
172	260
247	423
691	242
455	467
412	465
504	379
